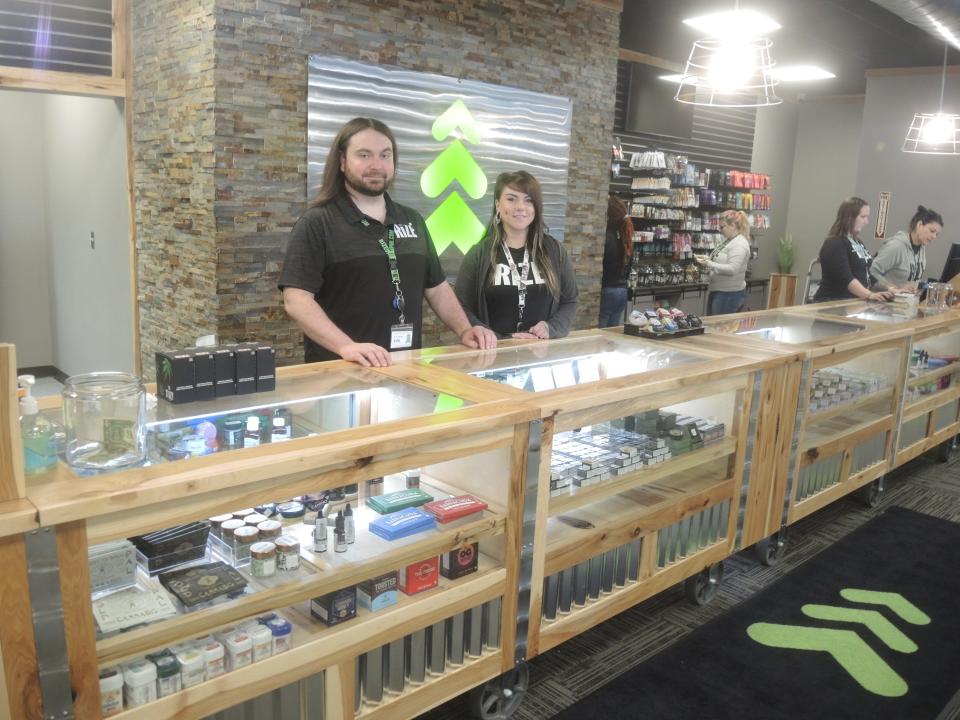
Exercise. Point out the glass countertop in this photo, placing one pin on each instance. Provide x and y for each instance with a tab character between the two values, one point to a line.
882	312
540	366
785	328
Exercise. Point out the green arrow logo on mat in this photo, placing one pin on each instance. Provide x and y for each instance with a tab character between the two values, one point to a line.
847	647
453	222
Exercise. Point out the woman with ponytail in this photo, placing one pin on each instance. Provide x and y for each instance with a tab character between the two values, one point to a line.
901	264
617	257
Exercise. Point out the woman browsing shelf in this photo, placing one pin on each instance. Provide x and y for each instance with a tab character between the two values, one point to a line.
617	256
727	265
901	264
518	280
844	260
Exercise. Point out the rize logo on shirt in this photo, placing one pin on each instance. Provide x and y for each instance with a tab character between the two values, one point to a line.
406	230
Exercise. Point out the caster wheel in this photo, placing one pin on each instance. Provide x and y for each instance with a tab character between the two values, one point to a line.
945	449
702	587
870	494
772	550
499	698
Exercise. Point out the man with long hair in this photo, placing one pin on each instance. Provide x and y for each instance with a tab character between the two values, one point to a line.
359	265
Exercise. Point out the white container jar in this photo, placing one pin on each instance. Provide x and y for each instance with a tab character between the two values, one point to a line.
191	667
213	660
111	692
239	648
139	683
262	639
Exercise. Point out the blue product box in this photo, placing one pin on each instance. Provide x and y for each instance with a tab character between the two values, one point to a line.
379	592
400	524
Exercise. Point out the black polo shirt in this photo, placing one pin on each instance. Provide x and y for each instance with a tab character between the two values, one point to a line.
842	259
338	258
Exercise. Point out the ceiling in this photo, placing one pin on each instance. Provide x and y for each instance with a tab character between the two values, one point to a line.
845	37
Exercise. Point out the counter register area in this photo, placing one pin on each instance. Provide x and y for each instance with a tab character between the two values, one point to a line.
612	468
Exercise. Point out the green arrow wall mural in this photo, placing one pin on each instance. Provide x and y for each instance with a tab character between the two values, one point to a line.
453	222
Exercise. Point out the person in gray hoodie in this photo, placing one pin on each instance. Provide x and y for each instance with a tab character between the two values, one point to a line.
901	262
518	280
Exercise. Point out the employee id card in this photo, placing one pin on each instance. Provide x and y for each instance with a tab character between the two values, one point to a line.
401	336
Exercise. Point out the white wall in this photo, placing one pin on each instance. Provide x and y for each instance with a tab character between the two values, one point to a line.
86	192
774	146
25	317
824	173
912	179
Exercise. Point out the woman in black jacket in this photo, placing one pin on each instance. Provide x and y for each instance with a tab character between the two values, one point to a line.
518	280
617	256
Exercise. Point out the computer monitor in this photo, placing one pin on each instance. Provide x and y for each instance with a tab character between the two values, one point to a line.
951	268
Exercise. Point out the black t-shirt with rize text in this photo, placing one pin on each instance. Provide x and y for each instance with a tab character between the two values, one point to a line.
503	298
334	253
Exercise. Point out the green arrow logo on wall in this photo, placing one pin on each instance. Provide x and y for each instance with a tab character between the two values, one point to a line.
453	222
851	651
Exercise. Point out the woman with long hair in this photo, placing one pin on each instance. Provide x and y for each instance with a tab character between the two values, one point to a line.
901	263
617	257
727	265
844	260
518	280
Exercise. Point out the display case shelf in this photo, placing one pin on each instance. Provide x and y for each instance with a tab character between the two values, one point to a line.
640	478
316	646
849	407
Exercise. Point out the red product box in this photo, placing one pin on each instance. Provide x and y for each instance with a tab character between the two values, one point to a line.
419	576
453	508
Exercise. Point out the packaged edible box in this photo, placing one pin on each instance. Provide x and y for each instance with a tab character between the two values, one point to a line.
420	576
379	592
335	607
392	502
453	508
403	523
460	561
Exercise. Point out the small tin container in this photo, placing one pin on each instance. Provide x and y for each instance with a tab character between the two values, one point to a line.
288	553
216	522
255	519
228	526
243	538
241	514
263	559
270	529
291	512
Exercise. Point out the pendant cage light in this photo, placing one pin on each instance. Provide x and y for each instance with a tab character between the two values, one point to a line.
729	73
935	133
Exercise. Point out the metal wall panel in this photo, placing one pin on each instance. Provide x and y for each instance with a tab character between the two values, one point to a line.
515	130
74	36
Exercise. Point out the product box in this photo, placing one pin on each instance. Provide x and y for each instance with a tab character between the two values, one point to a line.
420	576
391	502
246	372
379	592
266	372
225	371
175	377
460	561
402	523
453	508
203	374
335	607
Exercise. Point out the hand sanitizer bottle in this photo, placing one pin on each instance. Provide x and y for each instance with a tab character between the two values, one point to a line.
37	433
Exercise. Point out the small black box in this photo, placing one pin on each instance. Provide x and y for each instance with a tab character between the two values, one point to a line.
246	374
224	371
335	607
203	373
266	365
175	376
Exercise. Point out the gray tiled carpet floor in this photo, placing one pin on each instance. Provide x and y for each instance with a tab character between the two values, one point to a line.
573	670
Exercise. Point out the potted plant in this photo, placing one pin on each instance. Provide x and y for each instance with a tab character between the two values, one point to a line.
785	253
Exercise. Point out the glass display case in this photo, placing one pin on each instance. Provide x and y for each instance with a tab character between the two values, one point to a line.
343	516
781	327
640	465
881	312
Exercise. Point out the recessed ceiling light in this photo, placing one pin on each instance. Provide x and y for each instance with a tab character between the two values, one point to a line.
734	23
801	73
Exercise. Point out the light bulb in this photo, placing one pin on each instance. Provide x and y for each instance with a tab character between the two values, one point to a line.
938	129
731	67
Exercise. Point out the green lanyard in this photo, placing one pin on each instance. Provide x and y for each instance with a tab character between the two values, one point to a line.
389	247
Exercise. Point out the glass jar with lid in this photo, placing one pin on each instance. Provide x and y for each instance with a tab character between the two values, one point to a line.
105	420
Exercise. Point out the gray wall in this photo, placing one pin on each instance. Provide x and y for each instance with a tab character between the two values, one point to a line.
86	171
774	145
929	180
824	173
63	175
24	275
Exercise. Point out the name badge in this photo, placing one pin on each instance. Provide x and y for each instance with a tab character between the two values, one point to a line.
401	336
